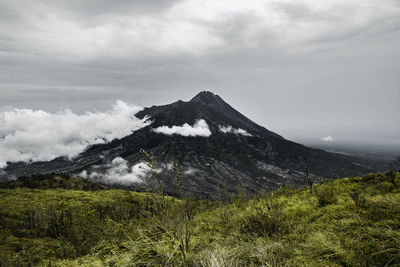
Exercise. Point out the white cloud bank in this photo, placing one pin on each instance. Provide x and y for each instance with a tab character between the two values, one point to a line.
27	134
118	172
230	129
199	128
328	138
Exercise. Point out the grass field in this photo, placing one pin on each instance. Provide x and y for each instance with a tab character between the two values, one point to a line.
346	222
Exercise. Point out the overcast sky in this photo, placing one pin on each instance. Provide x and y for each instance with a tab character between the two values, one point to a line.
302	68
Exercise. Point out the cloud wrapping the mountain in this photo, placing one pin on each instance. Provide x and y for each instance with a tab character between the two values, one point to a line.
230	129
187	170
328	138
32	135
199	128
118	172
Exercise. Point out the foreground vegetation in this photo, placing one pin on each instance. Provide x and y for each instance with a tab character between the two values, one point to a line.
347	222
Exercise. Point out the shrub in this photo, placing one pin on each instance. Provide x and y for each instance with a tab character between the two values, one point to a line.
325	246
391	176
259	253
369	177
326	195
264	223
359	199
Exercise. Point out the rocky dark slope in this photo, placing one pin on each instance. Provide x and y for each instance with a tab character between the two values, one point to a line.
258	160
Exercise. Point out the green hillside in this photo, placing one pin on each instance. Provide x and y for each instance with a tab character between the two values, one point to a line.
50	181
346	222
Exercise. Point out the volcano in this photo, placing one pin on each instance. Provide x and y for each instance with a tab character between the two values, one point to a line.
214	145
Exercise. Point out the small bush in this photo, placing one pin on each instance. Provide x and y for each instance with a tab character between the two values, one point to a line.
391	177
326	195
259	253
369	177
264	223
359	199
326	247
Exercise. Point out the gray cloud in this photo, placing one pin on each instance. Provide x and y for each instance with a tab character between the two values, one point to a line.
96	7
302	68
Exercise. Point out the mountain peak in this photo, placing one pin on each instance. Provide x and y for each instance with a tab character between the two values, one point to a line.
206	97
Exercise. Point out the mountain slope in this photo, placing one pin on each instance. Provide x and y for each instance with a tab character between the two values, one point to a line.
237	153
